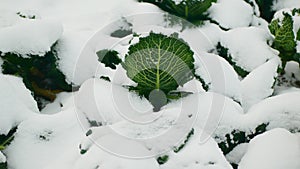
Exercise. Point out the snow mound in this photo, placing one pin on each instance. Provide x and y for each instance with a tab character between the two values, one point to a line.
105	102
30	37
194	155
258	84
248	47
213	113
275	149
237	153
16	104
46	139
231	13
8	18
203	38
97	157
277	111
219	75
281	4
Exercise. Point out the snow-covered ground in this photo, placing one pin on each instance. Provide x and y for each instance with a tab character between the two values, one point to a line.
103	125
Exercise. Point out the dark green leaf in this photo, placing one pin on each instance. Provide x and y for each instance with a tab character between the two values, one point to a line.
266	9
40	74
284	40
162	159
191	10
109	58
159	62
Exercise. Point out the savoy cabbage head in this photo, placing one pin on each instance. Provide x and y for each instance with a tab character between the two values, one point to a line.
159	64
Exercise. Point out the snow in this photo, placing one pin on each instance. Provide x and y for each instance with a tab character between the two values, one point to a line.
30	37
286	82
219	75
203	39
15	93
105	102
231	13
213	113
58	104
275	149
248	47
279	111
46	140
97	157
237	153
276	111
177	2
258	85
117	128
194	86
194	155
281	4
2	158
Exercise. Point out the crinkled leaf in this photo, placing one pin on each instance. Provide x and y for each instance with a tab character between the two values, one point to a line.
274	26
192	10
284	37
159	62
109	58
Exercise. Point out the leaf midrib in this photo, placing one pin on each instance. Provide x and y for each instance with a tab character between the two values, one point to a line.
157	67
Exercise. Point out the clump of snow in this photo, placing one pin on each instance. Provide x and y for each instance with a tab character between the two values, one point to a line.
47	140
258	85
30	37
237	153
287	82
194	86
202	39
213	111
219	75
8	18
231	13
275	149
194	155
68	49
58	104
281	4
278	111
248	46
105	102
177	2
16	104
2	158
